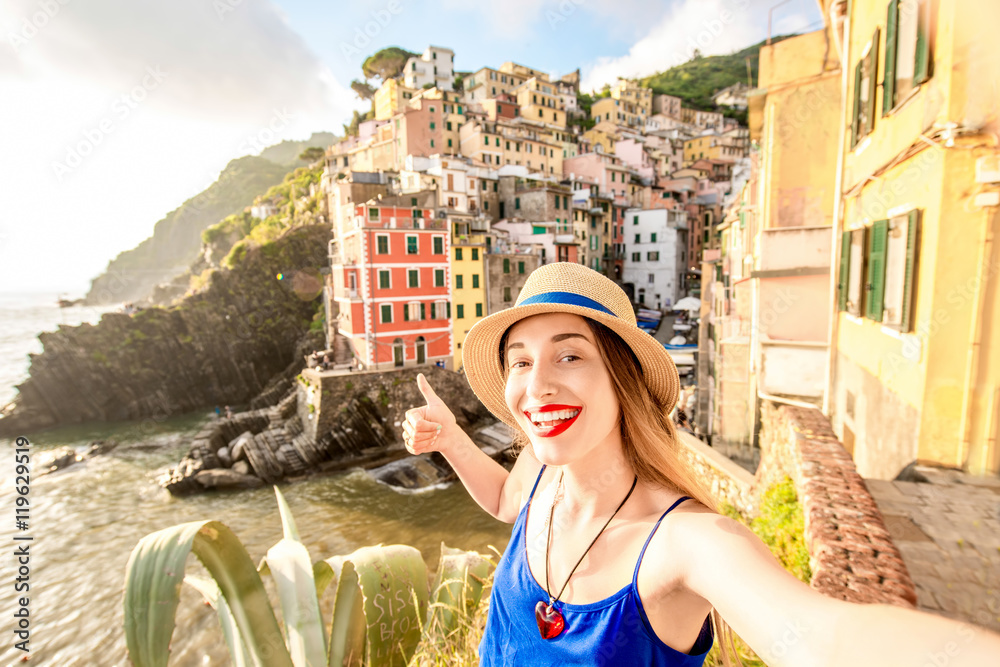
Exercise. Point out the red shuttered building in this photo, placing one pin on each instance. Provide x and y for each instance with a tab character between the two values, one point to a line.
395	304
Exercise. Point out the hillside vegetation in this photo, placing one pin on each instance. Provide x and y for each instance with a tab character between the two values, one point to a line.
176	239
701	77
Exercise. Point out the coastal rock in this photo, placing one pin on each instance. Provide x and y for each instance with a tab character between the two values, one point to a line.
55	459
224	459
219	346
221	478
241	467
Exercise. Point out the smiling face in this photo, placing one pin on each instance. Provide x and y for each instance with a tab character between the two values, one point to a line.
559	389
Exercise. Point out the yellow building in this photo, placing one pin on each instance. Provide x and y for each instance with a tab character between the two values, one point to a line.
390	98
468	289
629	104
916	365
603	134
540	102
712	147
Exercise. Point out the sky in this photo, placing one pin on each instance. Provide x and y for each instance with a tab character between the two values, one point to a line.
113	112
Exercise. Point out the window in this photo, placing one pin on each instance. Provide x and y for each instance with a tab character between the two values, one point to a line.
413	201
506	293
438	277
520	267
652	278
475	280
438	244
498	142
636	256
413	277
907	50
414	312
875	270
506	265
494	186
652	237
384	279
557	202
851	292
517	203
448	125
486	141
638	238
432	143
484	185
411	245
373	214
382	244
865	75
386	313
475	254
652	256
458	253
459	312
635	220
479	310
449	143
458	281
432	125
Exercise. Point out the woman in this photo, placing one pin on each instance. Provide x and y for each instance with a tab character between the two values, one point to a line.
616	556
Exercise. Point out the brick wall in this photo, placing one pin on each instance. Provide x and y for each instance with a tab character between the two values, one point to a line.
852	556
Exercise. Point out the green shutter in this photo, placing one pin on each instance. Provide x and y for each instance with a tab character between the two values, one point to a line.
406	312
857	105
872	81
845	270
423	312
909	286
875	280
447	309
922	66
889	76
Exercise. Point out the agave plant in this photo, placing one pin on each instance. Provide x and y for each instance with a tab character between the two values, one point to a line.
382	605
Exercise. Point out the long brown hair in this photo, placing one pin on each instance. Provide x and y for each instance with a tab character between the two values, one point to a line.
649	441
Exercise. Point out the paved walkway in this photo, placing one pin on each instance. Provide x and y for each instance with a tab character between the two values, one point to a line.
948	532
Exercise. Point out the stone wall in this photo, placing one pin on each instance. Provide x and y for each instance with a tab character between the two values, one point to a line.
728	482
851	553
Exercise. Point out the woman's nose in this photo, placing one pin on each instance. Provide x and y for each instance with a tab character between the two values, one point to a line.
541	382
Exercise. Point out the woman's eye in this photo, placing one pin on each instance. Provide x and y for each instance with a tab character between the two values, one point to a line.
571	357
518	364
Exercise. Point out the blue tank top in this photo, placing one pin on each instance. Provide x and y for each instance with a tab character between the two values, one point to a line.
612	631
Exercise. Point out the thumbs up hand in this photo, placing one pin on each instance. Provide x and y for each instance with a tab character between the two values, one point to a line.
428	427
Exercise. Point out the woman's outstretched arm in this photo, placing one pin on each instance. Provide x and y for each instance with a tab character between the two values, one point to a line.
788	623
432	428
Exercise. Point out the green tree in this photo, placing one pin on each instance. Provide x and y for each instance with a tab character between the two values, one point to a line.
363	89
312	154
387	63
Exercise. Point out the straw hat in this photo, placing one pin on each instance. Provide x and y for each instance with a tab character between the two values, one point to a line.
564	287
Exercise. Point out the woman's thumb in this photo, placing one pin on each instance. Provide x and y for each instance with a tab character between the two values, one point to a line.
428	393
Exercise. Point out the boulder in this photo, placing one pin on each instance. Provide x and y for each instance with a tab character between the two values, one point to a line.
221	478
241	467
223	455
55	459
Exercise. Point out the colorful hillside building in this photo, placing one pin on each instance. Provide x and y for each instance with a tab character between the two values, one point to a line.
390	265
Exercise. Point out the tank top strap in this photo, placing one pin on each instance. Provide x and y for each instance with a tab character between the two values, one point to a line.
537	480
635	575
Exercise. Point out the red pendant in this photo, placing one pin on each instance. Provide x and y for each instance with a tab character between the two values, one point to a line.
550	621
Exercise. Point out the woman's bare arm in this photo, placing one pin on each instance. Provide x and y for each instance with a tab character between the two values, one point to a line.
788	623
433	428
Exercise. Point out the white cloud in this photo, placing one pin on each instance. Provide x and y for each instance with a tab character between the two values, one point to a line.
711	26
227	85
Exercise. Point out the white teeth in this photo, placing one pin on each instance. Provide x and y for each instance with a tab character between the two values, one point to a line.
539	417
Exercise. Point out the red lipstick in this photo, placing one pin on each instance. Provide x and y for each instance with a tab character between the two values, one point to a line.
558	428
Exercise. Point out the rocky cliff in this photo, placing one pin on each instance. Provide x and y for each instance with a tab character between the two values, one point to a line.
220	346
176	239
332	421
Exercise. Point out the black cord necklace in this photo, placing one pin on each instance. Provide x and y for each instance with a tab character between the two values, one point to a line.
550	620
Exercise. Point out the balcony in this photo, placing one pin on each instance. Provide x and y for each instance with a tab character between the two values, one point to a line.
468	239
481	225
